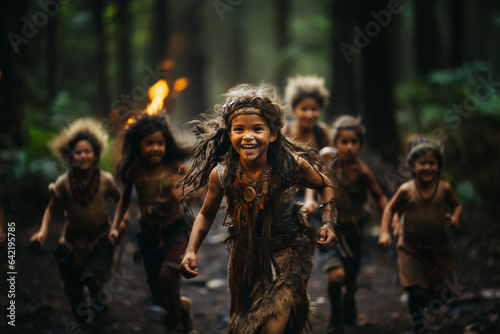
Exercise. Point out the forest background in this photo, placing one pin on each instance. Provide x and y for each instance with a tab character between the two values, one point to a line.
423	66
406	67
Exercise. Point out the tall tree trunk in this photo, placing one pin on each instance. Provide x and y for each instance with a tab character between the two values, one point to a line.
282	39
428	41
161	31
52	58
377	87
103	104
13	55
457	32
342	93
124	61
191	60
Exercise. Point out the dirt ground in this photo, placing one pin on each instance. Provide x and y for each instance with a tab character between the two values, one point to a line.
42	307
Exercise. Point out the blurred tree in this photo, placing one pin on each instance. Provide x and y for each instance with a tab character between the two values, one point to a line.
161	30
343	16
12	55
186	49
377	85
427	38
52	56
124	59
456	56
103	101
282	39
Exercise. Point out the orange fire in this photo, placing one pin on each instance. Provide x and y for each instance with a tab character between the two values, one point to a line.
181	84
157	93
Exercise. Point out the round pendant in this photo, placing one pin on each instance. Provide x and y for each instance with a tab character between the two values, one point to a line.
249	194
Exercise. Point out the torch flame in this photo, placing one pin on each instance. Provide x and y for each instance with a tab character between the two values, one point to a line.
181	84
157	93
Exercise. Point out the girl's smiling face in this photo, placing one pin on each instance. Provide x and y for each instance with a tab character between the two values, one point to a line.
83	155
426	167
307	112
250	136
153	147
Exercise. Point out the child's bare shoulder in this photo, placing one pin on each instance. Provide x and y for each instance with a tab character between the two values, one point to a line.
328	153
406	187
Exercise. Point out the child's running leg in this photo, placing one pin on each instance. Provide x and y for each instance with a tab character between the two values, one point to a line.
350	311
169	280
417	301
336	279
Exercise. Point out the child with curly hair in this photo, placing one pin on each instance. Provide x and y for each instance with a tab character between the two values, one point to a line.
243	155
424	248
151	163
85	254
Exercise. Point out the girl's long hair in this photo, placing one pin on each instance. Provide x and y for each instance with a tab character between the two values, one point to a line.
214	145
143	126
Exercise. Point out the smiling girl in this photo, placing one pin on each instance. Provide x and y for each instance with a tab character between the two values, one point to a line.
84	254
243	155
151	163
424	248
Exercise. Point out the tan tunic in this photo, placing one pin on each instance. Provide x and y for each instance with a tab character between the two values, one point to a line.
424	249
157	200
89	223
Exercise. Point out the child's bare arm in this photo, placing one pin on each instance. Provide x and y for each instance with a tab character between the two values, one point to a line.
121	208
41	235
394	206
201	226
316	180
374	188
310	203
452	200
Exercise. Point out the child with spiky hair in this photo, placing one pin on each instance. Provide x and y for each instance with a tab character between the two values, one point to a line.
243	155
151	163
424	249
306	96
85	253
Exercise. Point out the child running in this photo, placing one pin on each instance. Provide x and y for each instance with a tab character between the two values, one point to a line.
424	248
355	181
307	96
84	255
151	163
243	155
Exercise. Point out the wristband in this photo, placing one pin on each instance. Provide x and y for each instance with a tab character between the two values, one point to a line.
328	226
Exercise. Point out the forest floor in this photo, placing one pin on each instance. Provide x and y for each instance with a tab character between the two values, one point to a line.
42	307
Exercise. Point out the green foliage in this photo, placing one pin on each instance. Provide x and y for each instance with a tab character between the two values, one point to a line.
456	108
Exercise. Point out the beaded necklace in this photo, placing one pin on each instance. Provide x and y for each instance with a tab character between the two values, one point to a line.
249	193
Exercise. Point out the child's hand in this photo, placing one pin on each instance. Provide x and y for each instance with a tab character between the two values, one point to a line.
123	226
453	221
327	238
384	240
39	237
310	207
114	236
188	267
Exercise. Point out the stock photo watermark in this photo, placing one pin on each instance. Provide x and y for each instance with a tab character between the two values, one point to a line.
372	29
436	306
98	304
453	118
221	7
30	28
